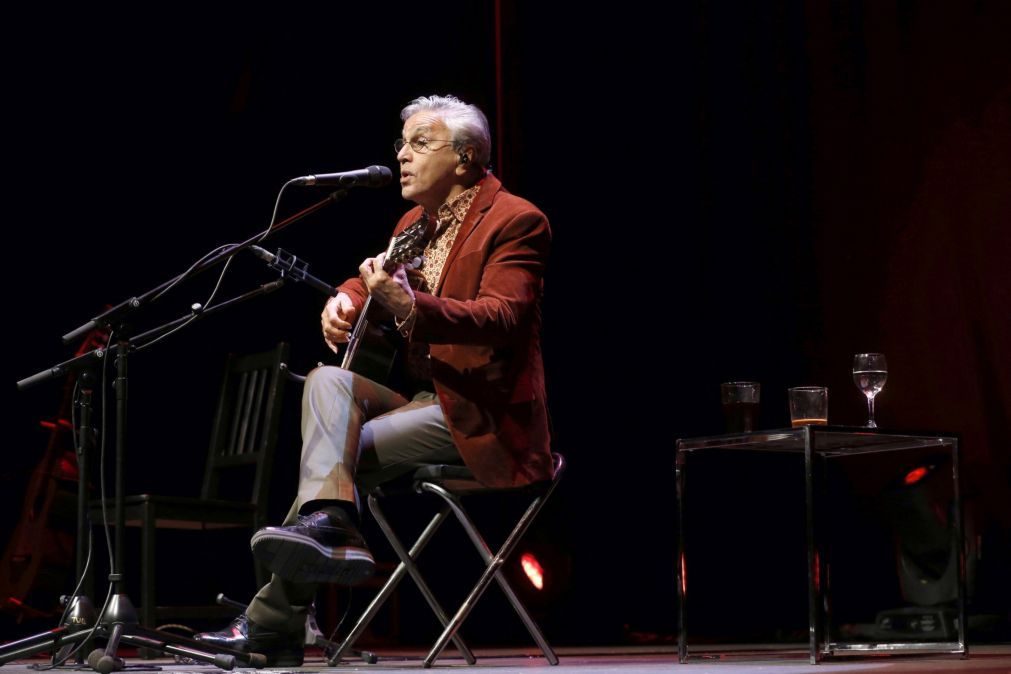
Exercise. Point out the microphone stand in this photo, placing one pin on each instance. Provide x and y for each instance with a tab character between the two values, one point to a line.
79	615
119	619
121	614
118	622
80	611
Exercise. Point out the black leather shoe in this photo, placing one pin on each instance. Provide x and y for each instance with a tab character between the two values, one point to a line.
281	649
318	549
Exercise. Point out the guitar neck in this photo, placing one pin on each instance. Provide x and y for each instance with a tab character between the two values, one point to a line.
402	248
356	335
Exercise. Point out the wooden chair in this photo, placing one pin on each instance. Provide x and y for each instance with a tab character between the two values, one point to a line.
240	458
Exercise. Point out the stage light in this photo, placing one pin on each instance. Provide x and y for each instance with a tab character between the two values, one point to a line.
540	573
533	570
915	475
920	507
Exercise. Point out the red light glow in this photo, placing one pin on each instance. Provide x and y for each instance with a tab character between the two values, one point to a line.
533	569
915	475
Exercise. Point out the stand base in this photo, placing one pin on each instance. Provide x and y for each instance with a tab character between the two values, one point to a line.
119	625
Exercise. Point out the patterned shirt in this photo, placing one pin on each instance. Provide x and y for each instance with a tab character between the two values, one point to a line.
448	219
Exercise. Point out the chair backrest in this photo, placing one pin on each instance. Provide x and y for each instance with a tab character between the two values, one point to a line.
245	429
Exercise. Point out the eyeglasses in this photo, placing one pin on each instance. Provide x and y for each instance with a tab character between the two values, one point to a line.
420	145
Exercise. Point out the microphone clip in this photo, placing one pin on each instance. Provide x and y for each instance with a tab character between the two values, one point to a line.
292	268
289	265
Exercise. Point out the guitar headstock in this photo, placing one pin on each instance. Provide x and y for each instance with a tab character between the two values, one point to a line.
409	244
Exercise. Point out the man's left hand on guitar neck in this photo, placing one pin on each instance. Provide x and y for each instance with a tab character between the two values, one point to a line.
392	290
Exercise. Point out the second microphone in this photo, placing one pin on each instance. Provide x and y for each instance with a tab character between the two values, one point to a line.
293	268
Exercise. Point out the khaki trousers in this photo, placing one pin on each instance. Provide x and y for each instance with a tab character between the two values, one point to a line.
355	434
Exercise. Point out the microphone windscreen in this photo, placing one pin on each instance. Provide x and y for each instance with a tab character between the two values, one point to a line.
379	175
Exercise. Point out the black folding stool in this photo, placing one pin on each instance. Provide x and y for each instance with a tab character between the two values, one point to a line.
450	483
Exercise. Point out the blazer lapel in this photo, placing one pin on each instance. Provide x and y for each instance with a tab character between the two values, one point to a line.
476	213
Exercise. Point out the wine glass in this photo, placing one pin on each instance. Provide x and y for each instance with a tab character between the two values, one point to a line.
870	371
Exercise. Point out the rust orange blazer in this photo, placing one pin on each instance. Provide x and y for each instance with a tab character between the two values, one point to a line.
483	326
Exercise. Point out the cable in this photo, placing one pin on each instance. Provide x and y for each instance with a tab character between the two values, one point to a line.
347	610
183	276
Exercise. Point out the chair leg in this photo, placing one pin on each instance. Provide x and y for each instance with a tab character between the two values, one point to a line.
493	564
407	565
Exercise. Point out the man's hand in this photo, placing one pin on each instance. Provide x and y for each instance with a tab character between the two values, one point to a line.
337	318
393	291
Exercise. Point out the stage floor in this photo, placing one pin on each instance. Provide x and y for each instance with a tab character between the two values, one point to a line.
993	659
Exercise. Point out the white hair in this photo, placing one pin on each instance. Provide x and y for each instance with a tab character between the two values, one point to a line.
466	123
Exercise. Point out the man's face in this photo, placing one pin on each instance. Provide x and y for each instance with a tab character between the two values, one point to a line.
428	174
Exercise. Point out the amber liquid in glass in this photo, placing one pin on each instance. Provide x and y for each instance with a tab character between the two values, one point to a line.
809	422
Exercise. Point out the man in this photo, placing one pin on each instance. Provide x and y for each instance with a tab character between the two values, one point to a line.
473	328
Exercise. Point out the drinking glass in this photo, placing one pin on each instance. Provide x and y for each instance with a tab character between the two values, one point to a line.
870	371
740	405
808	406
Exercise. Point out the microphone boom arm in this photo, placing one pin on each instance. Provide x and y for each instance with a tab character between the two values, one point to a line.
113	315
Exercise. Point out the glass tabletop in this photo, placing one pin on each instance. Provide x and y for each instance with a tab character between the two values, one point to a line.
826	440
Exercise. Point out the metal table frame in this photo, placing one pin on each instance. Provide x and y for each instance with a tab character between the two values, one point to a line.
825	442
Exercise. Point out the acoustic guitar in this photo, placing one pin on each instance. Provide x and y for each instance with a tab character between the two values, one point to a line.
375	345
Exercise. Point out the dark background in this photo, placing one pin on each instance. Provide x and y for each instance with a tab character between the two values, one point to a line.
737	191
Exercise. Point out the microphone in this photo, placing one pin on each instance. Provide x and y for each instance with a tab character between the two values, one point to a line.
293	268
373	176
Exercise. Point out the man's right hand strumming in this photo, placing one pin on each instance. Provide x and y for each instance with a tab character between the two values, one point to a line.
336	319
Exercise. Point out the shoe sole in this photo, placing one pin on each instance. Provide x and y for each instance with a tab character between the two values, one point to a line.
303	560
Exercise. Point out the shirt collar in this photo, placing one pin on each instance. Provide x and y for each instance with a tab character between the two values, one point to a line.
457	208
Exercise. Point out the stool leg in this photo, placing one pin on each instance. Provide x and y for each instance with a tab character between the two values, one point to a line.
407	560
389	587
492	570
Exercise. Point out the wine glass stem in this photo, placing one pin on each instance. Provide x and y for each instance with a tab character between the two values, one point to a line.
870	413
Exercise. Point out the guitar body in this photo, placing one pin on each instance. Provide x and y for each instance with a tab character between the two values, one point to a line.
379	352
375	348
